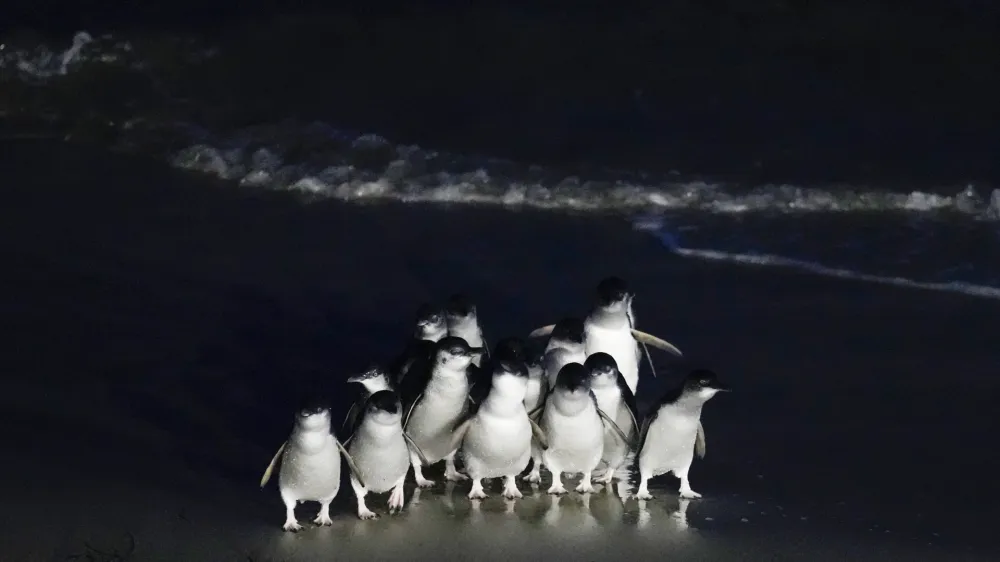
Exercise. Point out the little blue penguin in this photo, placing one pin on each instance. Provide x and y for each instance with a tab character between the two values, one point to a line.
616	399
435	401
574	427
381	451
310	464
672	434
495	437
565	346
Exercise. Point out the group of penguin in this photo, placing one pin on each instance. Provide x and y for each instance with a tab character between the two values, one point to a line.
569	407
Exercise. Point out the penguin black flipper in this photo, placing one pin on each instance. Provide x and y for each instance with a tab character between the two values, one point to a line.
699	441
472	408
610	422
629	398
537	412
352	414
351	465
274	463
539	434
358	420
415	448
412	386
408	409
644	432
480	382
462	425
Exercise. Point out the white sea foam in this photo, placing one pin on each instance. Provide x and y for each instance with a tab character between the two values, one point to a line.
412	174
352	166
659	229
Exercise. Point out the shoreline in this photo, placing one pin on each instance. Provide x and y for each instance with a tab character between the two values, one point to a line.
165	322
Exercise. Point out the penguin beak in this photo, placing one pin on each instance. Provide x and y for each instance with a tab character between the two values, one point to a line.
356	378
473	351
722	387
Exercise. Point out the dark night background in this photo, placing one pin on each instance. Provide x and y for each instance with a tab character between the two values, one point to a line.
163	323
763	91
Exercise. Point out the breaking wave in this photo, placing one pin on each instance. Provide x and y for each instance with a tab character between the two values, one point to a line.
321	161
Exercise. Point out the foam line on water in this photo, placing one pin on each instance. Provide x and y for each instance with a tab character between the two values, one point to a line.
672	243
765	259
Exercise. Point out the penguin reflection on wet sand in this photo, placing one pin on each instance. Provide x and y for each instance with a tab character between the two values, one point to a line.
495	438
381	451
463	322
435	401
310	465
672	434
574	426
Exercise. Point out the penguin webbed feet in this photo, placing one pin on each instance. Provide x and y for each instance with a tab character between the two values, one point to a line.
367	514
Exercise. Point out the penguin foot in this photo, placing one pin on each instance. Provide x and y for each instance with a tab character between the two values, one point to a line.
512	494
690	494
534	476
510	490
585	487
477	492
605	478
323	520
396	500
643	495
292	526
454	476
424	483
557	490
366	514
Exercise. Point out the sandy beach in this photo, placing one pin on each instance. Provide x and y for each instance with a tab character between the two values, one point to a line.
161	324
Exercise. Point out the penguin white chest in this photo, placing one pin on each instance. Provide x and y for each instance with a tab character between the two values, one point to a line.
669	442
608	398
497	445
382	457
310	467
433	420
575	442
618	343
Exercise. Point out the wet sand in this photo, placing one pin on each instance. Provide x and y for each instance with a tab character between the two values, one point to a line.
161	325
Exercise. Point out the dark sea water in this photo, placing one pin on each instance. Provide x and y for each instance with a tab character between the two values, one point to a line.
747	152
